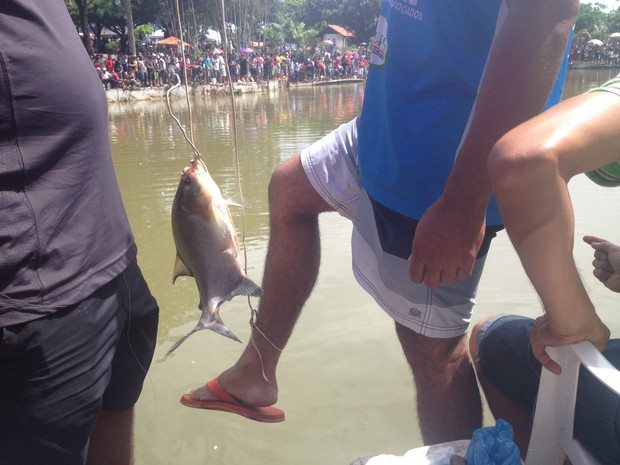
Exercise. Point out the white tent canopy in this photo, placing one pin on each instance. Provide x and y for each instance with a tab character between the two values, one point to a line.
213	36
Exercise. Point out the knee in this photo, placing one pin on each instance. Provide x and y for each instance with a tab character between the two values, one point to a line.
280	192
291	195
515	163
279	182
428	353
473	341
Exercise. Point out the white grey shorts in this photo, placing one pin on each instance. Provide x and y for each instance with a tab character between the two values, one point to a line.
331	167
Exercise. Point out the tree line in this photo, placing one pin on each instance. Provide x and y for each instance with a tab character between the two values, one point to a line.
273	22
594	22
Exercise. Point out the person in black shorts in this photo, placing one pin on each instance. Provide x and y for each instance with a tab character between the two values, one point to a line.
78	323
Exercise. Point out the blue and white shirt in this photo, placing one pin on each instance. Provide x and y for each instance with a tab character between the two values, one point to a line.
427	61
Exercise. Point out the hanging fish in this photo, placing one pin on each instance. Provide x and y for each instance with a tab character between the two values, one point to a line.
207	248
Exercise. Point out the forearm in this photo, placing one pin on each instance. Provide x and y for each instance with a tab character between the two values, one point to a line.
540	225
530	168
520	74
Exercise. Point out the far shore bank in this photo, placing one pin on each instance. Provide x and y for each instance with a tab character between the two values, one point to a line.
127	95
592	66
158	93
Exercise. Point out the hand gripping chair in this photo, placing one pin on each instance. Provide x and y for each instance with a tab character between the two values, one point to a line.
552	432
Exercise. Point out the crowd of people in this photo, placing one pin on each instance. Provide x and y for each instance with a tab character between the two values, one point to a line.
595	53
159	68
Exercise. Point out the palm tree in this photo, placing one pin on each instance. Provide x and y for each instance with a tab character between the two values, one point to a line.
296	33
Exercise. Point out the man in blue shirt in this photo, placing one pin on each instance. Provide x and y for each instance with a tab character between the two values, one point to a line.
447	79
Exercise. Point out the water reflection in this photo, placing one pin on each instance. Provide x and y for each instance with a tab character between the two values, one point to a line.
580	80
344	384
150	151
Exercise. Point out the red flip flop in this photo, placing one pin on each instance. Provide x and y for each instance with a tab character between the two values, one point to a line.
227	403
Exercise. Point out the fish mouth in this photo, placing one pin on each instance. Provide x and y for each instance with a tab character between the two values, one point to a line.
192	171
186	176
198	164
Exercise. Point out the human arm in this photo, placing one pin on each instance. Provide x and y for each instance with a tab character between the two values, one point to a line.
534	37
530	168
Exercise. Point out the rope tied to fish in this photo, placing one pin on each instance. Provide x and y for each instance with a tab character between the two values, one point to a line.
186	262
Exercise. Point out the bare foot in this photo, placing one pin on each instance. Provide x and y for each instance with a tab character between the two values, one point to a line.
244	381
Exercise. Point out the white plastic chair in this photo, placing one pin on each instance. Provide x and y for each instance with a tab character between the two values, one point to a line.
552	432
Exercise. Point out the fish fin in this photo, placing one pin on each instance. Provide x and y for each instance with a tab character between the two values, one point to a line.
217	325
181	341
221	328
238	201
179	269
214	323
246	287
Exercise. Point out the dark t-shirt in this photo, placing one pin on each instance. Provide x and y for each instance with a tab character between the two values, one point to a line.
63	229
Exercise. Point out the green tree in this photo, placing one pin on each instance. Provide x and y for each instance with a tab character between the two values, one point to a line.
273	36
358	16
293	9
591	21
361	17
79	10
613	21
297	34
317	12
271	21
143	31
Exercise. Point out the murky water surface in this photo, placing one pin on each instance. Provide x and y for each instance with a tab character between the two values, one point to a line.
344	383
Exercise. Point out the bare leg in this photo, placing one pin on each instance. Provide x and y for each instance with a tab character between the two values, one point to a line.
291	270
448	401
111	440
502	406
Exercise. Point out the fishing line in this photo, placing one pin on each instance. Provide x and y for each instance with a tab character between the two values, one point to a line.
253	312
197	155
235	141
190	139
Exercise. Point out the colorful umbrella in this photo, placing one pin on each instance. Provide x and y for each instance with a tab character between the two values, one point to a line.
614	35
245	50
171	41
216	50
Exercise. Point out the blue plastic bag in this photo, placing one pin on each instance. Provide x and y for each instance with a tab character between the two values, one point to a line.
493	445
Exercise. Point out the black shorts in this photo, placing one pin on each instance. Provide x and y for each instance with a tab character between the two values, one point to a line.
58	372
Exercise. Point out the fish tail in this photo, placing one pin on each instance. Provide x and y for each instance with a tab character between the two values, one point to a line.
221	328
216	325
246	287
179	342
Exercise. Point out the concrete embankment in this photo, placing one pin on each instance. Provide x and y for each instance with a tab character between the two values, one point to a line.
158	93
